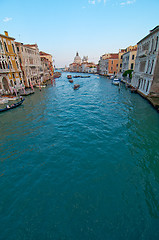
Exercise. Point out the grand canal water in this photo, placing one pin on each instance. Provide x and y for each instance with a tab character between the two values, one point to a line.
80	165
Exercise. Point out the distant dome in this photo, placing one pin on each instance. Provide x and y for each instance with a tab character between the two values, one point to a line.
77	59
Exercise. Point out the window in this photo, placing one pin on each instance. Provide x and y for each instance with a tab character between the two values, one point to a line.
132	66
13	76
144	84
10	65
1	66
1	46
147	86
13	48
156	44
148	66
112	62
120	65
17	49
17	64
152	45
152	67
121	57
5	46
133	57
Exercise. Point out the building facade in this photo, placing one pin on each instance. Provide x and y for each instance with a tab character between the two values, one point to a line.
128	60
11	79
146	73
108	64
30	61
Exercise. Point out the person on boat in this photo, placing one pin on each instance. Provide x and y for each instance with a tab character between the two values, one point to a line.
7	106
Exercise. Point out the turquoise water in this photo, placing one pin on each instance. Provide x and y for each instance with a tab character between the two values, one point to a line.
80	165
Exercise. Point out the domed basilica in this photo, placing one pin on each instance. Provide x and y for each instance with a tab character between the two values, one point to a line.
77	59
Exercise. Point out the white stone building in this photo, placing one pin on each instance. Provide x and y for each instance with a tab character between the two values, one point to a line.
146	73
30	61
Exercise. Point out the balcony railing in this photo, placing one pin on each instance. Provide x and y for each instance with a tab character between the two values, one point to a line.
4	70
143	54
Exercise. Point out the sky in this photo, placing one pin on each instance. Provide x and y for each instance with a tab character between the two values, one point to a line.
91	27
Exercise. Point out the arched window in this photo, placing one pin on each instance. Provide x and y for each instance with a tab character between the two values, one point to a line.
13	48
17	64
3	65
10	64
148	66
5	46
147	86
1	46
144	84
156	44
152	66
6	64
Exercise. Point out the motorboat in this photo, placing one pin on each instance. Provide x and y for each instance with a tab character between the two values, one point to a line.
71	81
69	76
116	81
76	86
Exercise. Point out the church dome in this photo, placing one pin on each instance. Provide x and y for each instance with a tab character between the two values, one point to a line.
77	59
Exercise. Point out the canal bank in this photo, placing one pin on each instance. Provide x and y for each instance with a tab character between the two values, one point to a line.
80	164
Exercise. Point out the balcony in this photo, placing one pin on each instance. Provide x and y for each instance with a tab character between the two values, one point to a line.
4	70
143	54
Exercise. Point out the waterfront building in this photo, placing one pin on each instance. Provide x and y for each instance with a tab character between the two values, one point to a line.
88	67
47	69
146	73
50	61
120	61
30	61
128	58
108	64
11	79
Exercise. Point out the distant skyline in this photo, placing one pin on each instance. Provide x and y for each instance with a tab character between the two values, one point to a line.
91	27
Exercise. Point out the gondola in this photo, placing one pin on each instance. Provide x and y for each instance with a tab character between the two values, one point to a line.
12	106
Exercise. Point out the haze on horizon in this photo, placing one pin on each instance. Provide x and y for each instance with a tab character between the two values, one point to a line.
91	27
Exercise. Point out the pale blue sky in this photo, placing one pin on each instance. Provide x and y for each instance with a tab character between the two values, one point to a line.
91	27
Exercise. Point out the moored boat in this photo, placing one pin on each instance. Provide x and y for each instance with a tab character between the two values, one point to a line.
9	107
116	81
133	90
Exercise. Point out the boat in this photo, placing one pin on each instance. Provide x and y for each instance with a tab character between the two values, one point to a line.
133	90
69	76
41	86
76	86
116	81
71	81
85	76
76	76
9	107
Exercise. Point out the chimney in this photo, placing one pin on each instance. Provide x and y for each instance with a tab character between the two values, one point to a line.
6	33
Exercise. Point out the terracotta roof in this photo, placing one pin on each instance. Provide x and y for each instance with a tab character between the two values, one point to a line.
43	53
